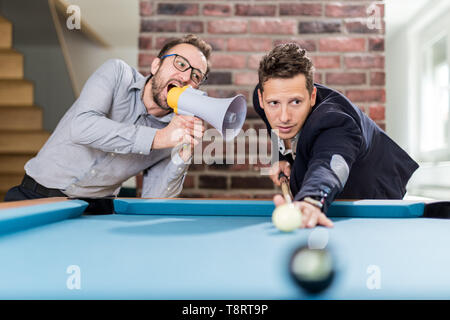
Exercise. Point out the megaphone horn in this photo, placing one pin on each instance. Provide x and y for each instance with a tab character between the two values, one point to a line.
227	115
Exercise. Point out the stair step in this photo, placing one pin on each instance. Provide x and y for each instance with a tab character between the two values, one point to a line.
7	181
5	33
22	142
11	64
16	93
21	118
13	163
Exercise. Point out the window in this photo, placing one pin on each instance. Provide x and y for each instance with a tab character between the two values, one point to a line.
434	87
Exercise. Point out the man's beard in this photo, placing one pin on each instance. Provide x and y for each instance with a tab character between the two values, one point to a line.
158	91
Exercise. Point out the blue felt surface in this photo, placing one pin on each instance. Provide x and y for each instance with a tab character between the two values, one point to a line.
219	257
20	218
360	209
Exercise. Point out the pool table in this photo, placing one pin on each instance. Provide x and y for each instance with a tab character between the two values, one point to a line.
215	249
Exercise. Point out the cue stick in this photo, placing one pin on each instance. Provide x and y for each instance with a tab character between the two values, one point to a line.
285	187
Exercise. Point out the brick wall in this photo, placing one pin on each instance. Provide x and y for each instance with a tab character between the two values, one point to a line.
344	38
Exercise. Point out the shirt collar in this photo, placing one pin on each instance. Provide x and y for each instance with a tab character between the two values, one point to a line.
282	147
140	83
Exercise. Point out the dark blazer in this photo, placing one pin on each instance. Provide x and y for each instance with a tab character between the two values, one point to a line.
341	153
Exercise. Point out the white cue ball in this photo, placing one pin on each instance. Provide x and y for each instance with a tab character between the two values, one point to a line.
287	217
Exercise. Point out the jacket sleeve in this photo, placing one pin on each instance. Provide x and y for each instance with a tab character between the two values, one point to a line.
336	143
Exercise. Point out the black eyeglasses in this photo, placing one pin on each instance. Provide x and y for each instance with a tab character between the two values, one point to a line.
182	64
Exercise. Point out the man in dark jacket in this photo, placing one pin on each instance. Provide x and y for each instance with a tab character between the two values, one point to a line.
334	149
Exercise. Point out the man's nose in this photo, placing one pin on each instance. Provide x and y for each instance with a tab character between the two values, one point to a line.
284	117
185	76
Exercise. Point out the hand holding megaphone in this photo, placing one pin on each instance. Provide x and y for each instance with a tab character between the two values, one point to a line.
226	115
182	129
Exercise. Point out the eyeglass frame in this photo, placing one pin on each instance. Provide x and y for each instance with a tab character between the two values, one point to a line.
205	76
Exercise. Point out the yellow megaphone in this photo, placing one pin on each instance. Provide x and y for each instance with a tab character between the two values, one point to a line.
227	115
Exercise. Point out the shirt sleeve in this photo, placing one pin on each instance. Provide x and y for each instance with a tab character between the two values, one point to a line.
91	125
333	152
165	179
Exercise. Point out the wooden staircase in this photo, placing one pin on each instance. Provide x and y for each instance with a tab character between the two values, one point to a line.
21	133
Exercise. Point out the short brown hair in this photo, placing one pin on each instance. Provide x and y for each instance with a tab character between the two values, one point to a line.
192	39
286	61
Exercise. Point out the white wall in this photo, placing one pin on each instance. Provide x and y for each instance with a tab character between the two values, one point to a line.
431	179
117	22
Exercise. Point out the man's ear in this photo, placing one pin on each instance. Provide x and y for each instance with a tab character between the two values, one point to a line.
313	97
260	98
155	65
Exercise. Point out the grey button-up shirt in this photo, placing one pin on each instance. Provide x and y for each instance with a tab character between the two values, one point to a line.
106	138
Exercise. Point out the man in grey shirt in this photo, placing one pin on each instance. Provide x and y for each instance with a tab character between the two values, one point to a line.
120	126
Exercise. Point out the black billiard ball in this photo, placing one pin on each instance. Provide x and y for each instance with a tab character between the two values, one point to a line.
312	269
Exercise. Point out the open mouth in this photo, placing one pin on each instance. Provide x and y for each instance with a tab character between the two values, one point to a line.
172	85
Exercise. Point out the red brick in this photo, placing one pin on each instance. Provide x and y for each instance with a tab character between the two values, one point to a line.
145	59
251	113
342	44
273	26
160	41
377	113
145	42
249	44
220	78
377	78
212	182
376	44
227	61
326	62
364	62
217	10
191	26
255	10
300	9
262	182
246	78
254	60
340	10
217	44
182	9
345	78
363	26
332	26
189	182
226	93
145	8
227	26
367	95
158	26
307	44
